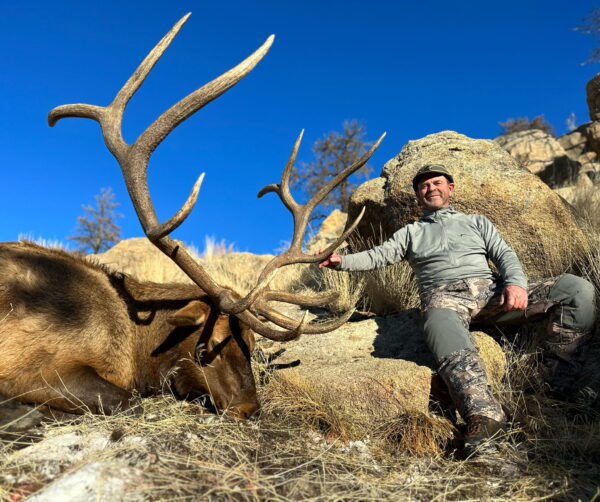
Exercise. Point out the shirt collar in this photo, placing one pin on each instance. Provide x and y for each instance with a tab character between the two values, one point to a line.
437	215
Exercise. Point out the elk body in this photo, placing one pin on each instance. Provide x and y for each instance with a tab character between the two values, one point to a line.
73	333
77	337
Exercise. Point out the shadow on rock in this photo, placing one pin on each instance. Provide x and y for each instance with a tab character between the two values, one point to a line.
400	336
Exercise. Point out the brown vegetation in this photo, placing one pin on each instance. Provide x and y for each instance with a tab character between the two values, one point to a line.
526	124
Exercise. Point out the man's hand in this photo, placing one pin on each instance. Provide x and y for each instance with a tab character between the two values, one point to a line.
513	298
331	261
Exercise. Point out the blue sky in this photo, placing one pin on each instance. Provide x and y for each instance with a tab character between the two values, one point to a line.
406	68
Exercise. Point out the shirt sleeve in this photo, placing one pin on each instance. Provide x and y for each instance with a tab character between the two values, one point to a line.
391	251
501	254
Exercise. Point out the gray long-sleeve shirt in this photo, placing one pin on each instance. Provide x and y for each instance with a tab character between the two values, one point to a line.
444	246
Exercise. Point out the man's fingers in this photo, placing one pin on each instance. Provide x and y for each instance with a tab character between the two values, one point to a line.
510	302
513	298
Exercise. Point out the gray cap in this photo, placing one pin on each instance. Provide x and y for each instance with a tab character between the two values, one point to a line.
431	168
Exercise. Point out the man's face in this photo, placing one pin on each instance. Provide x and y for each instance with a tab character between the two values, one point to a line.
434	191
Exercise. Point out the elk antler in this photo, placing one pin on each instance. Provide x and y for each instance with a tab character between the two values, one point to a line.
133	160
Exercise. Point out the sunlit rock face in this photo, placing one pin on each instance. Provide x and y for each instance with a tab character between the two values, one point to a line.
542	154
375	368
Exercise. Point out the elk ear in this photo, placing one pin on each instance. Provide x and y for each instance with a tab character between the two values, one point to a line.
194	313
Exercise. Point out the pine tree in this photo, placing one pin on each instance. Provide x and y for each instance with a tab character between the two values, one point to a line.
333	153
96	229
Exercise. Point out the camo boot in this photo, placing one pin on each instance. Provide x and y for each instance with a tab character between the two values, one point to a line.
482	433
466	378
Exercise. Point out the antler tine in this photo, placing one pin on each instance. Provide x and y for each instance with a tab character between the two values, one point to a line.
171	118
110	117
331	184
283	189
300	213
287	322
305	301
139	75
168	226
334	245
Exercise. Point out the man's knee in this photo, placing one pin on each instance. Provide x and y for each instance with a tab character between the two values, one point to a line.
577	296
446	333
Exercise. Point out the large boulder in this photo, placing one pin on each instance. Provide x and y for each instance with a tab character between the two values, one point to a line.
379	365
331	228
139	258
543	155
534	220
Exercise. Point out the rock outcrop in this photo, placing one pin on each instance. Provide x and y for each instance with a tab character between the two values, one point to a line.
380	364
578	147
543	155
570	160
534	220
331	228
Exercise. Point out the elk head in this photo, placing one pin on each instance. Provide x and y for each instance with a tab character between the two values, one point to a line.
216	362
252	310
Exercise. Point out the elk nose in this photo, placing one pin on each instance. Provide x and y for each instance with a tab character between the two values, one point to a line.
247	410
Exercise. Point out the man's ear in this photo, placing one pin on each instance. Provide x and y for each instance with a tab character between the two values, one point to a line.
194	313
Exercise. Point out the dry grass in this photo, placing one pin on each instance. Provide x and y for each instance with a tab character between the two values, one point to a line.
585	202
303	449
384	291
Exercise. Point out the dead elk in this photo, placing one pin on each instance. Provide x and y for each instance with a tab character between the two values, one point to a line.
77	334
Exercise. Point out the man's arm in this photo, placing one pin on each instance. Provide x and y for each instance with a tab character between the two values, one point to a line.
514	295
391	251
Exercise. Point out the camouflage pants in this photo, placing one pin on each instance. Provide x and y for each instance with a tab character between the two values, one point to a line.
565	302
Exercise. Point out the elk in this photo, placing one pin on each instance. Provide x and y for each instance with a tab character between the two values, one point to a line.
75	335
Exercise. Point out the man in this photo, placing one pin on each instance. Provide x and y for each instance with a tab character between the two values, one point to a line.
449	253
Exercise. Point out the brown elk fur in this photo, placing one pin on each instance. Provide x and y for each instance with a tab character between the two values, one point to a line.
75	335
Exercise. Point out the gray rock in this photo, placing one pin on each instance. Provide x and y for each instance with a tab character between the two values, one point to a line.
379	363
543	155
98	481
